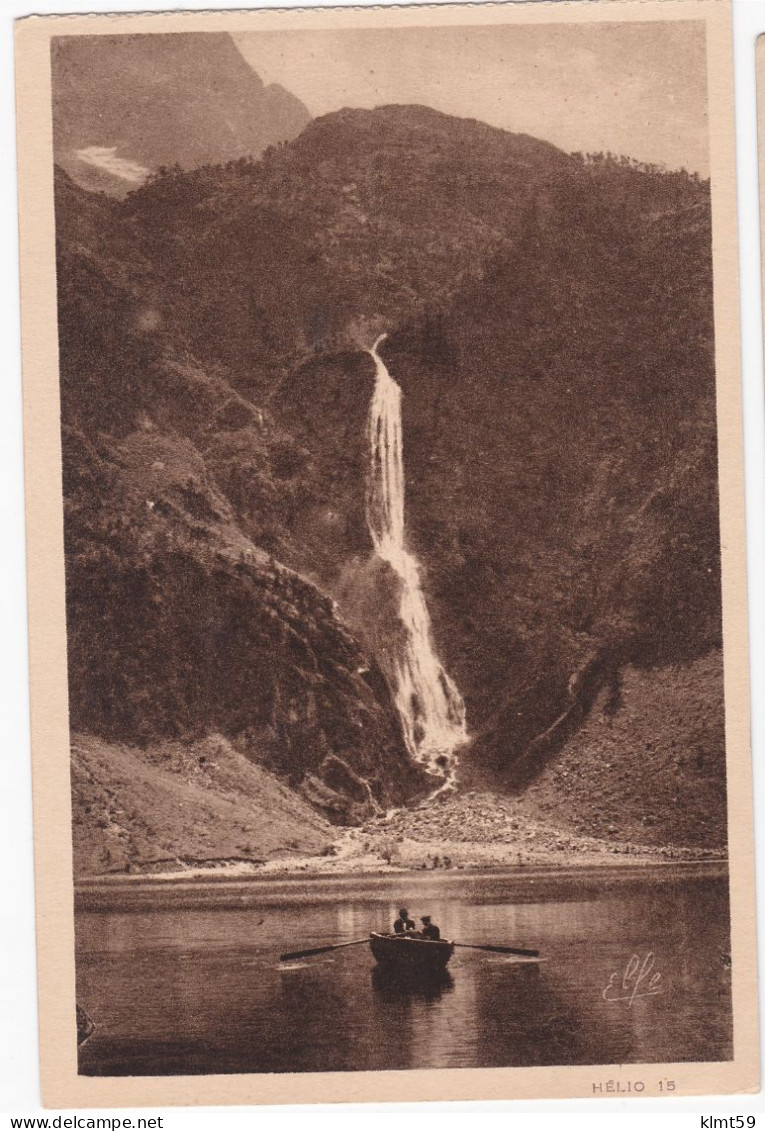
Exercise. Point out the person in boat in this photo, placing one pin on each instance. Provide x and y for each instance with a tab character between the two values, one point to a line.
403	923
429	929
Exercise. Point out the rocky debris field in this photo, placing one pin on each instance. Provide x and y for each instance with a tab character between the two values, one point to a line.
477	829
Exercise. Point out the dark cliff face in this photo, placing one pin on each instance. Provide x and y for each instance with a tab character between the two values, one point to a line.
561	455
160	100
550	324
183	621
179	628
324	405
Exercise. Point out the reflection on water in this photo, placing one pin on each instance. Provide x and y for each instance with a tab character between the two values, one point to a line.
189	981
410	985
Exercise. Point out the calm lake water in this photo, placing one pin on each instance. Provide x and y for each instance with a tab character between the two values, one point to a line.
185	978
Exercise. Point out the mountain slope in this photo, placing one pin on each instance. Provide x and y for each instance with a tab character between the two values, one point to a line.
124	106
174	804
368	216
366	220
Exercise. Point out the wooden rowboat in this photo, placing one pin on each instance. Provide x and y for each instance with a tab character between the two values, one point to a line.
407	952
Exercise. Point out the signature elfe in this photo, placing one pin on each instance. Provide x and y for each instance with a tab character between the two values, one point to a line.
635	981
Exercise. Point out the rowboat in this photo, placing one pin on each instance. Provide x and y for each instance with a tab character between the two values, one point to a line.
409	953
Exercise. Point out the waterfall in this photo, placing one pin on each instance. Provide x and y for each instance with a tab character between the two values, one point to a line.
428	702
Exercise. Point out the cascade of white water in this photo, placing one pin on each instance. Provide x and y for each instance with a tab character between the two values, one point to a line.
428	702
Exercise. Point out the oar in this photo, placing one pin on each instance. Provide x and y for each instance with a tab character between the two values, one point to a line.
501	949
319	950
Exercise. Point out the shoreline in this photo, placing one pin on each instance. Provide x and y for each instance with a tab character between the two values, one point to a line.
710	866
458	834
222	891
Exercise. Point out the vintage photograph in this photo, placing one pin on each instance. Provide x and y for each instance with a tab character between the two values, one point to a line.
391	538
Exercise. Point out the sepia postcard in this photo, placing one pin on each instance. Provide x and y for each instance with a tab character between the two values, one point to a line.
386	554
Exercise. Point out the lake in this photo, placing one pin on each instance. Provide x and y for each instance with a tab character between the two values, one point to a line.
184	977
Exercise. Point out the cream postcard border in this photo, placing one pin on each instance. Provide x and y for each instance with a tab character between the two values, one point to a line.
61	1085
